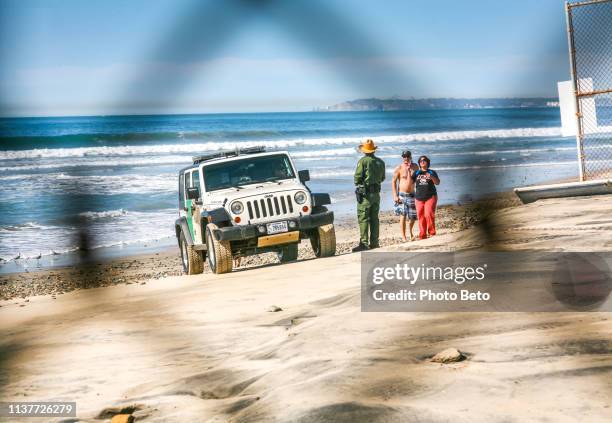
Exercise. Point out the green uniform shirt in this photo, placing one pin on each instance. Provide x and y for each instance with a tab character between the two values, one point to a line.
370	171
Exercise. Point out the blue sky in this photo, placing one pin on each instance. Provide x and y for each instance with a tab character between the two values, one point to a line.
185	56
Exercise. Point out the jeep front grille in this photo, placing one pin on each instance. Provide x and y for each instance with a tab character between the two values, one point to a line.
270	207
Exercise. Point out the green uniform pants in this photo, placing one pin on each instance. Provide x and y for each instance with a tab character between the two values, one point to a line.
367	216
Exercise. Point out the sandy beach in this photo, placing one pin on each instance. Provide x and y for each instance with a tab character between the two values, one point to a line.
143	267
210	348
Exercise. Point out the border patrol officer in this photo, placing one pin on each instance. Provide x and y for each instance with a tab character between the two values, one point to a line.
369	175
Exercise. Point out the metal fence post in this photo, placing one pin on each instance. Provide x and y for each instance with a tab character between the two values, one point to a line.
589	36
572	56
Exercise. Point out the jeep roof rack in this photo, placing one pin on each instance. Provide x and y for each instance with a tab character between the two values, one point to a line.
228	153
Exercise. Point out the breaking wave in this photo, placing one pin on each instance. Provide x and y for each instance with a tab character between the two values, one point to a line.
350	172
103	214
190	148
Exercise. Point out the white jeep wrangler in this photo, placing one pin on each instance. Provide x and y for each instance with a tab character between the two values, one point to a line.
245	202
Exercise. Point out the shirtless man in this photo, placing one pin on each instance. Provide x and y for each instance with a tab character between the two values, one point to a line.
404	196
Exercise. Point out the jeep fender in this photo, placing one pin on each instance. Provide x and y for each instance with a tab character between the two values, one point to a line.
216	216
320	199
180	225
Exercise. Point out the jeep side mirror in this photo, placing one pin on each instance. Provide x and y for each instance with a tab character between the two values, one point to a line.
304	175
193	193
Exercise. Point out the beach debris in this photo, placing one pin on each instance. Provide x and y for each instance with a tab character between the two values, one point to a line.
119	414
122	418
449	355
274	309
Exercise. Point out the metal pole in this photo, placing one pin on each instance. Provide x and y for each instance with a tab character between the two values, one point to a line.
572	54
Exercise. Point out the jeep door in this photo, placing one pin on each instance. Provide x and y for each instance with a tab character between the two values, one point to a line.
191	179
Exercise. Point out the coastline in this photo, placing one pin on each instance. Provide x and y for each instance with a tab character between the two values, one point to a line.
79	168
163	262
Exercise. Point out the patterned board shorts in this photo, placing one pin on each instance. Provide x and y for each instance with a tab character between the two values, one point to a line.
406	206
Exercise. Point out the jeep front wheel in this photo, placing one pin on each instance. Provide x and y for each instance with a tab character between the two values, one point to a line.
323	241
191	259
219	252
288	253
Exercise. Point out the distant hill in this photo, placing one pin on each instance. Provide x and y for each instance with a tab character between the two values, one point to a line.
377	104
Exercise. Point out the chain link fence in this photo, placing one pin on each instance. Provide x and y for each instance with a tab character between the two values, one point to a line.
590	41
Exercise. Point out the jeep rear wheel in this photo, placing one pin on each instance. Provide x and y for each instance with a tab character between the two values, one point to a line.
191	259
288	253
323	241
219	252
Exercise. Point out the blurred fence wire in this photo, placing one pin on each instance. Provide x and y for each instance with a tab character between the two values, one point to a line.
589	25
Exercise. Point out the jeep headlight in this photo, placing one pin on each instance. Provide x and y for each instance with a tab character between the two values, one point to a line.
300	197
237	207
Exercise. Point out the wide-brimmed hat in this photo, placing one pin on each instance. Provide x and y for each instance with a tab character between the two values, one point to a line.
368	146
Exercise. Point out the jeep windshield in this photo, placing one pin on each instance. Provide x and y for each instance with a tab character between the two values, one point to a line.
250	170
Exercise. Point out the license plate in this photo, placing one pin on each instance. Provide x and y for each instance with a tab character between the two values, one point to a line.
277	227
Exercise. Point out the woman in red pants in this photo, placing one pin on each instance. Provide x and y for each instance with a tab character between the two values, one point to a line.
426	197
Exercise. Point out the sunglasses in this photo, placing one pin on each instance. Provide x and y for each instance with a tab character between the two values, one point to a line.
422	161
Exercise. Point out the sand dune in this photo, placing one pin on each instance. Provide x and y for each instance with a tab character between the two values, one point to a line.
206	348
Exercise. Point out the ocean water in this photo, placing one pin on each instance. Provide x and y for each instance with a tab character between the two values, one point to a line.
117	174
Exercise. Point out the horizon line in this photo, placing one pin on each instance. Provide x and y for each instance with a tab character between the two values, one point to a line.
313	109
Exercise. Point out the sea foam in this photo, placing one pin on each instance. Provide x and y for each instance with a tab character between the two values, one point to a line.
193	148
349	172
